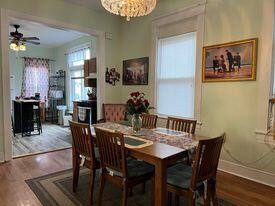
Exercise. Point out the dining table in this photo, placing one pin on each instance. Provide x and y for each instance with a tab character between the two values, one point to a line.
160	147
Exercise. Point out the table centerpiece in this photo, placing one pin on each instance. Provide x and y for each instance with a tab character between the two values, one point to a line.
135	106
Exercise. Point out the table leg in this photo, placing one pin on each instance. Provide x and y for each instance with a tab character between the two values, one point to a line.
160	183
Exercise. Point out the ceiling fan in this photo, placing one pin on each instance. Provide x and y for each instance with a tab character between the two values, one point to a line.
18	41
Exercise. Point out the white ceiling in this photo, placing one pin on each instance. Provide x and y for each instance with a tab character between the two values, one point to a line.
49	37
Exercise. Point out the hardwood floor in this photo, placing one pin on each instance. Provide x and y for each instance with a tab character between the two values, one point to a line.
53	137
15	192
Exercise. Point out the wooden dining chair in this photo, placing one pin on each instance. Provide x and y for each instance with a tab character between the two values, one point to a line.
113	112
116	167
83	148
149	121
184	125
184	180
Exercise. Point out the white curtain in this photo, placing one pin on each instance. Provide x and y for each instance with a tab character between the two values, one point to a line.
77	57
35	78
176	75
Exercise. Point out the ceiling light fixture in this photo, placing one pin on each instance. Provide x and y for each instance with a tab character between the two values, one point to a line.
129	8
17	46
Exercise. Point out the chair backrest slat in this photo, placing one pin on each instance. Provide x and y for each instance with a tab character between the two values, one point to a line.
149	121
184	125
114	112
83	143
206	160
111	150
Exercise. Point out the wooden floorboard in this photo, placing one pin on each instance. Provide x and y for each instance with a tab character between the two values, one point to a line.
53	137
14	191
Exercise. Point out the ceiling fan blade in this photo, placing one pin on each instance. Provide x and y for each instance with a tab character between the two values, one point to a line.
33	42
30	38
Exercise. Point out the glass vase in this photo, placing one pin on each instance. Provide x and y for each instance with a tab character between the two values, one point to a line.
136	123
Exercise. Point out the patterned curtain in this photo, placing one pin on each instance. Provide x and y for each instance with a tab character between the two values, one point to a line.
35	78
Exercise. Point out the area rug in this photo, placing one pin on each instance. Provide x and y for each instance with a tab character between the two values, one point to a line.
56	190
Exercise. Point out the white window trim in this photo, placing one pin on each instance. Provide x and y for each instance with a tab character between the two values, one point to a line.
196	10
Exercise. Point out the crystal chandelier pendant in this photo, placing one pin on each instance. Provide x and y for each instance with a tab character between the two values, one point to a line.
129	8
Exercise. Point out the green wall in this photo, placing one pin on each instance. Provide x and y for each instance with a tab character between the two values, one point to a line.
17	63
226	107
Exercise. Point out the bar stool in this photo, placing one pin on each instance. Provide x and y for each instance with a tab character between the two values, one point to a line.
37	119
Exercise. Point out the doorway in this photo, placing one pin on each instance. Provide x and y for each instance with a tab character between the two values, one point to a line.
7	19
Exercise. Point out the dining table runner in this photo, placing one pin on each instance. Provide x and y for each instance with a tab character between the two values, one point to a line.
162	135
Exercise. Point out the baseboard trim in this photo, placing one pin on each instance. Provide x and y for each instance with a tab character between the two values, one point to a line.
2	159
247	173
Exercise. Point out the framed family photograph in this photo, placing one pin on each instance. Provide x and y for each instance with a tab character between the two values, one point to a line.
234	61
135	71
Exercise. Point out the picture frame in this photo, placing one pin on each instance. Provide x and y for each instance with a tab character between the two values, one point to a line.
233	61
136	71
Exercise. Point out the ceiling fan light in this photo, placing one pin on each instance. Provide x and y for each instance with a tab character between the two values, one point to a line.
22	47
16	48
13	46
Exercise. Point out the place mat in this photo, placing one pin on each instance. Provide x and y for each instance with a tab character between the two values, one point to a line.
169	132
135	142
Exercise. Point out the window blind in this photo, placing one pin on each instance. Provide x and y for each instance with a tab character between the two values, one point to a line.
176	75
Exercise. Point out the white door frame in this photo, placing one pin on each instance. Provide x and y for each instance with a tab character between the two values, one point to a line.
6	15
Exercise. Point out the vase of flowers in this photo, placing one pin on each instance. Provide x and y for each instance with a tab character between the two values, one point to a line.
135	106
136	122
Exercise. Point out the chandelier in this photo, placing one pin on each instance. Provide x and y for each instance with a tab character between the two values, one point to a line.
129	8
17	46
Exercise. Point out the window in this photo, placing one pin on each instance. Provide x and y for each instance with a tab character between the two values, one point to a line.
78	91
76	58
176	75
75	62
36	78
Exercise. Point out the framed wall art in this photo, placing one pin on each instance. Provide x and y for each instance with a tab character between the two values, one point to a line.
135	71
234	61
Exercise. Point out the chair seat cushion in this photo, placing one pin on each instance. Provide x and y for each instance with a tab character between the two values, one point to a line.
135	168
179	175
138	168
